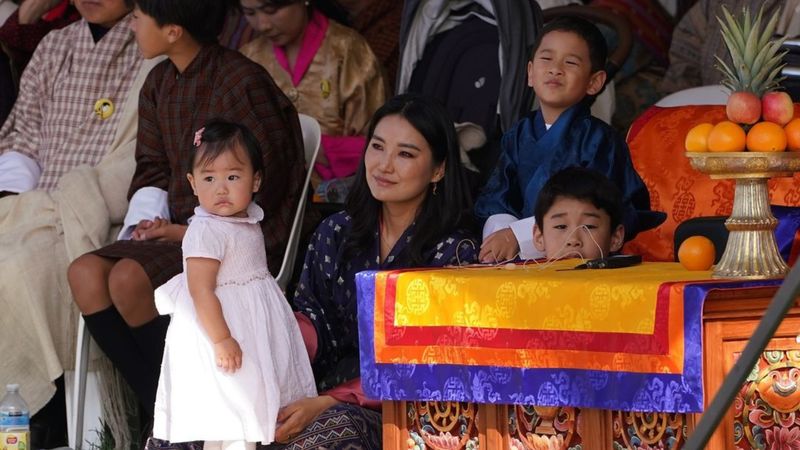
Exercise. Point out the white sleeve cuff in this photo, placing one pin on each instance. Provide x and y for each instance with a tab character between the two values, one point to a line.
18	173
146	204
497	222
523	231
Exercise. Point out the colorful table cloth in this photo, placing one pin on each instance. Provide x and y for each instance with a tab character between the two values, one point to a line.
624	339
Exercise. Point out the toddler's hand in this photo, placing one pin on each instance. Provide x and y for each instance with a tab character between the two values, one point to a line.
228	355
144	229
158	229
139	231
499	246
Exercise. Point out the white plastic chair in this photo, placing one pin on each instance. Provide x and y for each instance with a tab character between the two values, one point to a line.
311	139
79	386
713	94
312	136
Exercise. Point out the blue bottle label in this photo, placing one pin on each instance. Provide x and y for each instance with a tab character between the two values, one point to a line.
14	419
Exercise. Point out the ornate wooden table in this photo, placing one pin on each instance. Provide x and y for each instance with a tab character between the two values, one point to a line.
764	414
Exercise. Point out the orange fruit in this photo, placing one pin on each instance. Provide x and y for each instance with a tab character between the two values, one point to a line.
696	253
766	137
792	130
697	138
726	136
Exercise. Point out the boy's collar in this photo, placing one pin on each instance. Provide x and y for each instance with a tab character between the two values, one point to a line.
199	62
120	28
579	109
539	127
97	31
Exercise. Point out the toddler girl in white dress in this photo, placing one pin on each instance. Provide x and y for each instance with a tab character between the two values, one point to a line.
234	354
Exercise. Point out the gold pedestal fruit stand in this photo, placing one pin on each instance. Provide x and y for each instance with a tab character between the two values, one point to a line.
751	252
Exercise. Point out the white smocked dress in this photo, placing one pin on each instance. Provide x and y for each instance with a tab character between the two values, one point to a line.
196	401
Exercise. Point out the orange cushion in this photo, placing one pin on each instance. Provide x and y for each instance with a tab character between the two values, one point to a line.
656	143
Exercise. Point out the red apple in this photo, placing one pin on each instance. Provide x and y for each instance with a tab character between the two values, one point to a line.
743	107
777	107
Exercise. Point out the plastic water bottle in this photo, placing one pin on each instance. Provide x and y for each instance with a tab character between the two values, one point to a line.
14	420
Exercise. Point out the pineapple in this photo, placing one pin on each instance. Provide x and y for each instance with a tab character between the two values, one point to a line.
756	63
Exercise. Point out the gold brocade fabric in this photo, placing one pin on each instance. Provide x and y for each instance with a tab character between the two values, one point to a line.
536	298
343	86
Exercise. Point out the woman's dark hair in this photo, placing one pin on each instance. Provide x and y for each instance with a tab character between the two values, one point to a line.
202	19
584	184
220	136
440	214
587	31
328	8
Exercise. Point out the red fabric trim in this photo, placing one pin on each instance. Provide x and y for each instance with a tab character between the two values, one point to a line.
57	12
309	334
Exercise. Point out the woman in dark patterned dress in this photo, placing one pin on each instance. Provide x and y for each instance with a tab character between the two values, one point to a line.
409	207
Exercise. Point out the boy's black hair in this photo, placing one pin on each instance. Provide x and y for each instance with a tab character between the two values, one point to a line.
580	183
598	50
220	136
202	19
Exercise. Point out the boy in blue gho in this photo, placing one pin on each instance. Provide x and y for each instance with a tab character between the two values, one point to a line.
566	73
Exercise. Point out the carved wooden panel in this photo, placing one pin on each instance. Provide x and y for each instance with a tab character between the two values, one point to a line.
729	320
542	428
767	408
442	425
636	430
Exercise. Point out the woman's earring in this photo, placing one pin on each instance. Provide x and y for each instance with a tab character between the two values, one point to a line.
306	3
435	185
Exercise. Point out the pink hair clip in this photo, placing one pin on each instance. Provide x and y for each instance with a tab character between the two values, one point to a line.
198	137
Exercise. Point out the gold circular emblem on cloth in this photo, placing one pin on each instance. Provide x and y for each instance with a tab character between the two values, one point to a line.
104	108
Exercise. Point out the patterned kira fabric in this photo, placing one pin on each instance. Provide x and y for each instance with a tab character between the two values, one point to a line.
160	444
53	120
341	427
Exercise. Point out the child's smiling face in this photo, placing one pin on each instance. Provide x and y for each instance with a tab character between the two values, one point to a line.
560	72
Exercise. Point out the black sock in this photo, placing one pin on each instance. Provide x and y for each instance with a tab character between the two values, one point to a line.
115	338
150	340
